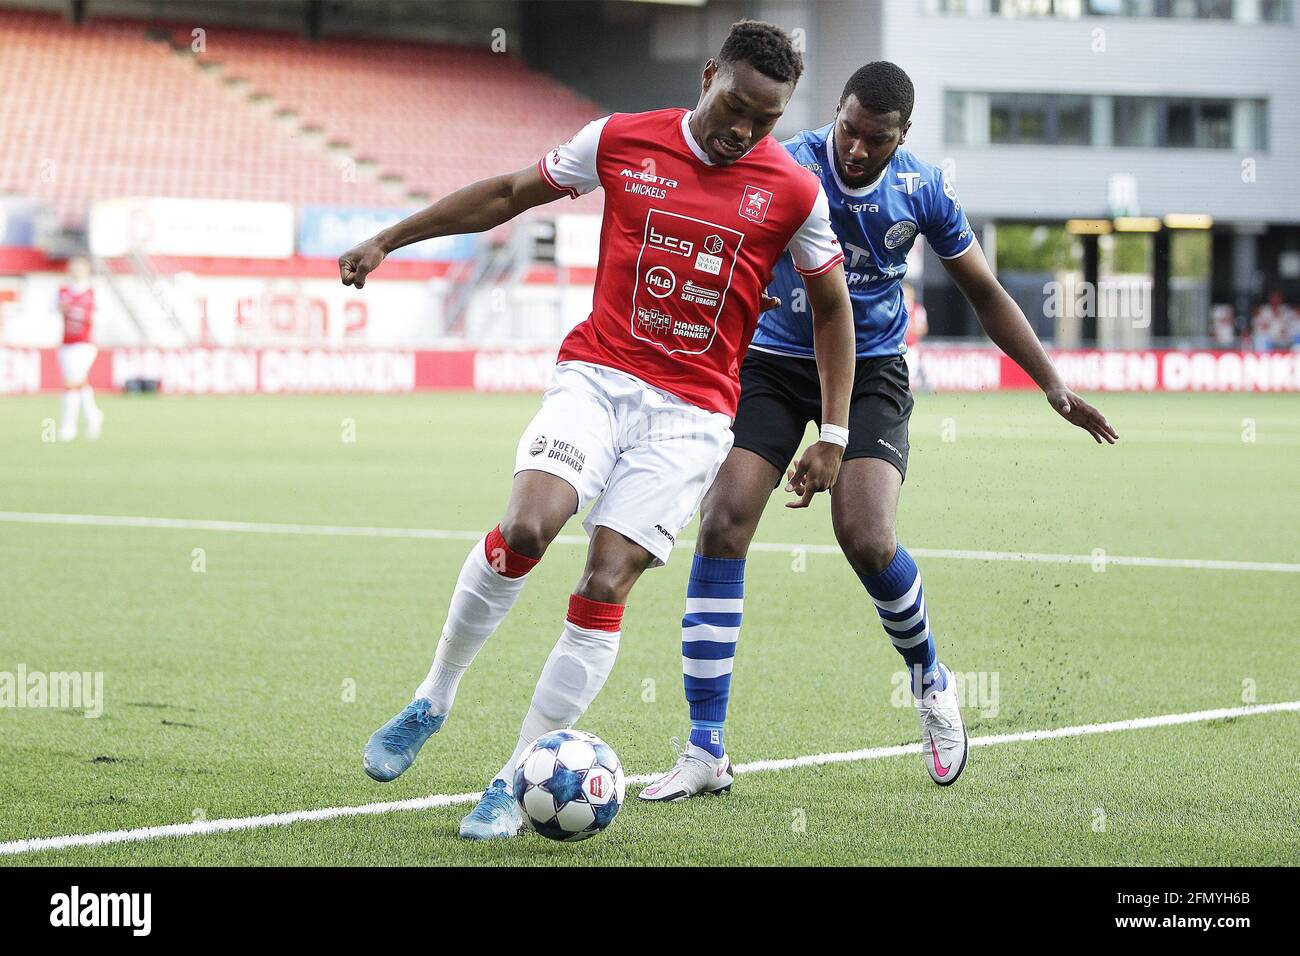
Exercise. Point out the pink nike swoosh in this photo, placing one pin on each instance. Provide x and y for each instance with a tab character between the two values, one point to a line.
939	768
659	787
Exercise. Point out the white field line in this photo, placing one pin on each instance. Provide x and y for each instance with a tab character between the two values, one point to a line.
436	534
1145	436
234	824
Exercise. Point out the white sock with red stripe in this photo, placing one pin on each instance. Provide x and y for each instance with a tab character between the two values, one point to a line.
489	584
575	672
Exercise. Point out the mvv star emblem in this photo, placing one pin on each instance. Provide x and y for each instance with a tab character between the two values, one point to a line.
754	203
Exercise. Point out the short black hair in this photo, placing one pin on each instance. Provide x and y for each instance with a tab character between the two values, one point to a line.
882	87
765	47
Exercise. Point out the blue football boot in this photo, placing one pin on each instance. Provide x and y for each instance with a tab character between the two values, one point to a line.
392	748
496	816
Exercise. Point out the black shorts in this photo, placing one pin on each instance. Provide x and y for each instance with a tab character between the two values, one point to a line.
781	394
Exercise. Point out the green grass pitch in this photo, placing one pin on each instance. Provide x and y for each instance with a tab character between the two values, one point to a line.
250	686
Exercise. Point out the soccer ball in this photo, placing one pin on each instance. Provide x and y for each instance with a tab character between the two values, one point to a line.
569	784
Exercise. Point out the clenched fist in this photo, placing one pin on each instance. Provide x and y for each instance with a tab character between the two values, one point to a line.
359	261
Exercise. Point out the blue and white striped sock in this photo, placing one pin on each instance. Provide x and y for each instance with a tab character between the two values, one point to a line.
710	628
900	602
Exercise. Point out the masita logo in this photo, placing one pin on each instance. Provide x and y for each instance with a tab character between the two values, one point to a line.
648	177
75	908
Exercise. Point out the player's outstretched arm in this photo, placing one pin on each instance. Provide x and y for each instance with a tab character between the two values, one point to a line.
834	344
1007	326
477	207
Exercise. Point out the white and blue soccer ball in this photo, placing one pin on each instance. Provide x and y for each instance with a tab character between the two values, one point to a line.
569	784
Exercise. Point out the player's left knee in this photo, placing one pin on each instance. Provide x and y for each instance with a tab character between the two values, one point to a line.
607	585
868	548
610	581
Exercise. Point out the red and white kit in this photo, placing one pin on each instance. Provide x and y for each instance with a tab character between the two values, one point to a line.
646	387
77	353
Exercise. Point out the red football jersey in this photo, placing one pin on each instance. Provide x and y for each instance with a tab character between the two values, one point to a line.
686	249
78	309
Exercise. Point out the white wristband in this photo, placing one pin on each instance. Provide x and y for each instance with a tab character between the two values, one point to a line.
835	435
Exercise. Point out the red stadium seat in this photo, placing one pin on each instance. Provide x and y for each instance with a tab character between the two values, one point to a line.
119	113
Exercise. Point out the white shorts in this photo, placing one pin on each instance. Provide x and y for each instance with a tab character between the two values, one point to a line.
645	457
75	361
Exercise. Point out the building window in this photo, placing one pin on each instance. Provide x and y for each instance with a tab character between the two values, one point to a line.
1073	121
1040	119
1266	11
1187	123
1275	11
1136	121
973	118
1070	9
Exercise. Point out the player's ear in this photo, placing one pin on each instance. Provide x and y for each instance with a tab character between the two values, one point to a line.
710	71
903	136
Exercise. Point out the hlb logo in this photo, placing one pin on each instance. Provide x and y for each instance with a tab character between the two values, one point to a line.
597	786
661	282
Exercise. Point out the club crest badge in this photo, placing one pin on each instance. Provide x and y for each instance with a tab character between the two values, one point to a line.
754	203
899	233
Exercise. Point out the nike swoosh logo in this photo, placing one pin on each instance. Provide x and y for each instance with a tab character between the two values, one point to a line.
939	768
658	788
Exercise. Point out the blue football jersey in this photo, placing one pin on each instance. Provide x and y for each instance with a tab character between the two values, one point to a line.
876	226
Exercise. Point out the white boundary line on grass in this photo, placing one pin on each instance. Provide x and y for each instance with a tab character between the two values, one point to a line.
233	824
436	534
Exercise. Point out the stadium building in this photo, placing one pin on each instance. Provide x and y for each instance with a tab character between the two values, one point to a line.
1141	146
1124	161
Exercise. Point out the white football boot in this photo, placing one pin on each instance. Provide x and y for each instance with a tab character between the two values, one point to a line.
697	772
944	744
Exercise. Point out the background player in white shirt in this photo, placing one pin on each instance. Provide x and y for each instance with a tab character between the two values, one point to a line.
76	305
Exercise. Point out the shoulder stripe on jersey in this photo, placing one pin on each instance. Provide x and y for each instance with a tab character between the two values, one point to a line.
546	174
827	267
